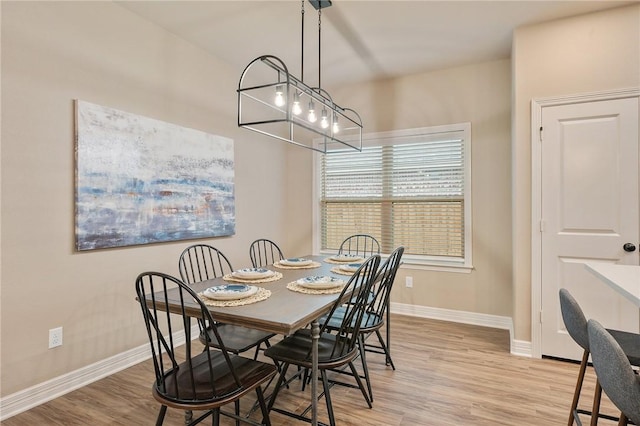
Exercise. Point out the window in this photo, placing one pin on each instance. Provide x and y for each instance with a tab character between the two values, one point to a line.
409	188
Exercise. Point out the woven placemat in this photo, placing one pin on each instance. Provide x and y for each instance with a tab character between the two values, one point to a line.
275	277
335	262
294	286
337	270
262	294
312	265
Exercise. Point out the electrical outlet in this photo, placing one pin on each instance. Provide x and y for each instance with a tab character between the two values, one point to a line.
408	281
55	337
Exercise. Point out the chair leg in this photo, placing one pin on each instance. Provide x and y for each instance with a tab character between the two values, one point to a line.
160	419
188	416
624	421
263	407
327	397
365	369
305	379
281	379
387	346
595	411
215	417
386	349
360	384
576	392
237	410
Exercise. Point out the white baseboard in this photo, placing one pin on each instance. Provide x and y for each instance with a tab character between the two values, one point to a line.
43	392
517	347
39	394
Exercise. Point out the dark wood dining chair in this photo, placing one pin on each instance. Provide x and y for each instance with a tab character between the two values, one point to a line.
375	314
335	350
361	244
200	262
207	380
615	374
576	324
263	252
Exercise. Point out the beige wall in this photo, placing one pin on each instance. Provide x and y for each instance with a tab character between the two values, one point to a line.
588	53
53	53
480	94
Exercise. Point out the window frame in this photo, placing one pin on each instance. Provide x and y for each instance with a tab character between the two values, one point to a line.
438	263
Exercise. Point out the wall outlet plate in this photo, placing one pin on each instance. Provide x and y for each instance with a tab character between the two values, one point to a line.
55	337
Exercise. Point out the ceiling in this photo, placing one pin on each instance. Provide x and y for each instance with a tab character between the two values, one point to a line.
361	40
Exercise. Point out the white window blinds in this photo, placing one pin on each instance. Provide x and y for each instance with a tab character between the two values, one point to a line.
406	190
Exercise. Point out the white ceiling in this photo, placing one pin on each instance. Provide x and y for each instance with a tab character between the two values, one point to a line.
361	40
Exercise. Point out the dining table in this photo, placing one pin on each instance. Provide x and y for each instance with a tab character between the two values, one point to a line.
624	279
283	312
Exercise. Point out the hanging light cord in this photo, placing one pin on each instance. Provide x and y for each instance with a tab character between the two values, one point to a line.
302	45
319	44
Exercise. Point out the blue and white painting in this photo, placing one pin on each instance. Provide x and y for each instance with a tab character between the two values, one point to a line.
141	181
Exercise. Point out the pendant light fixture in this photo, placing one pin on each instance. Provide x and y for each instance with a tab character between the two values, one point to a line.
271	101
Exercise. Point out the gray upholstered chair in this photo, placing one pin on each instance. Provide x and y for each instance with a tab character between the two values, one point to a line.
576	325
614	372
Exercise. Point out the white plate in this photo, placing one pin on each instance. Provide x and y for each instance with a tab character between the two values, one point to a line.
252	273
350	267
319	282
230	291
346	257
296	261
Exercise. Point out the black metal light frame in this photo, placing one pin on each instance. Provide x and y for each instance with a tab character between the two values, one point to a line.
267	74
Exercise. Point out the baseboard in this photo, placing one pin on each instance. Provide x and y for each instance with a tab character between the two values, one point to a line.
517	347
43	392
39	394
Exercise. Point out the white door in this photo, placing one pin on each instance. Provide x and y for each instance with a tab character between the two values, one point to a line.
590	209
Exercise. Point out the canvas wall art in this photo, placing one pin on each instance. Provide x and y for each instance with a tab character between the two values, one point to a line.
141	180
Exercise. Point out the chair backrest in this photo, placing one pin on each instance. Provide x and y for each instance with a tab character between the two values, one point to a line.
381	286
264	252
201	262
574	319
182	376
362	244
614	371
350	306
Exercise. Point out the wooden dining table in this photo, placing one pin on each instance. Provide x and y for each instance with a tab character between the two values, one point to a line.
283	312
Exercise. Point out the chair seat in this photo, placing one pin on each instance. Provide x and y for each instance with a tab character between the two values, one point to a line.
630	344
333	351
370	321
179	386
237	339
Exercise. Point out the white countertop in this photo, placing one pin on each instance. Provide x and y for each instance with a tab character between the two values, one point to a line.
625	279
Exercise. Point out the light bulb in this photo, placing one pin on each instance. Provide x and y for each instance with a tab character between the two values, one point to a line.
279	100
335	127
296	104
312	114
324	123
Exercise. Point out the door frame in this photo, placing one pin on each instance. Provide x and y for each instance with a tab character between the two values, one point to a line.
536	195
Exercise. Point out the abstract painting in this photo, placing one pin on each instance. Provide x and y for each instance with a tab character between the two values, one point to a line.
141	180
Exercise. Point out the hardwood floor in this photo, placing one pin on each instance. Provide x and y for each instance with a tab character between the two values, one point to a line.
447	374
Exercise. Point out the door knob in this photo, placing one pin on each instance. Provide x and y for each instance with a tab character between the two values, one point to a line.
629	247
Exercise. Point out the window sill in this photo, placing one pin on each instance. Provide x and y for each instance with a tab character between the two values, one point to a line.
417	265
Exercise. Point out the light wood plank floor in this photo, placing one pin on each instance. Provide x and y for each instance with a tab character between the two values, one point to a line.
447	374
